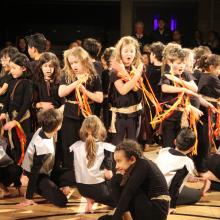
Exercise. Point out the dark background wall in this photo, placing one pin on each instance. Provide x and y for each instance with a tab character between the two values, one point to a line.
63	21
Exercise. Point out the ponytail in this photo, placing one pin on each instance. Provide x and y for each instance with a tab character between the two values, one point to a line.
90	150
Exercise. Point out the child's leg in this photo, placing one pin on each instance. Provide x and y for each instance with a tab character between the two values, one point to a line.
168	133
69	135
51	192
189	196
89	205
120	129
131	127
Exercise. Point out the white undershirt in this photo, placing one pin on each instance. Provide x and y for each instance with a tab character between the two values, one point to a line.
92	175
169	164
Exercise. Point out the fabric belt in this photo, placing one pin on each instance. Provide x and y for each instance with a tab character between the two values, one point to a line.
162	197
125	110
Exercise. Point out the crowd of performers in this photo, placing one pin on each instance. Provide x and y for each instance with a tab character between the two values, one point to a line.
86	125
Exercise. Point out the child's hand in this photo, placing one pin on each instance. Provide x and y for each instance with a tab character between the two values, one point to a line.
196	110
119	67
10	125
46	105
26	202
138	70
2	116
172	211
108	174
83	89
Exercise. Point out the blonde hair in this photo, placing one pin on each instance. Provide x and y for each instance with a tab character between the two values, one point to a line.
169	53
188	53
84	58
92	130
126	41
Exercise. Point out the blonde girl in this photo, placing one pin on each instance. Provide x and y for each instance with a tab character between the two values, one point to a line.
78	75
93	162
125	97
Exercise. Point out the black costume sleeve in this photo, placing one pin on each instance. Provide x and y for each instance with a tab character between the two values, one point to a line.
137	177
108	162
176	184
33	175
27	100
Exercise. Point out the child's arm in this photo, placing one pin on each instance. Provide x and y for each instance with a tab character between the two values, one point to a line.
38	161
124	88
172	89
188	85
3	89
65	90
94	96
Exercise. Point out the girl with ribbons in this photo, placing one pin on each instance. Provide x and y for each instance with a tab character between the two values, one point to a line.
81	87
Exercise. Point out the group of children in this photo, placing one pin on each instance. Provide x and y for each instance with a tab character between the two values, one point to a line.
50	134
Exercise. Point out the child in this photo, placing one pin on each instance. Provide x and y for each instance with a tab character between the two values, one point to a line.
9	171
153	75
48	82
79	73
93	162
5	76
36	46
125	97
107	59
139	186
209	86
176	61
17	105
198	53
93	47
177	167
39	160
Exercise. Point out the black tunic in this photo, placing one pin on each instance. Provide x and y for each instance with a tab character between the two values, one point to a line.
72	110
154	75
170	98
145	177
5	79
48	92
19	97
119	101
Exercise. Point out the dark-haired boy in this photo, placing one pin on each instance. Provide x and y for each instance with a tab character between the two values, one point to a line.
39	161
177	167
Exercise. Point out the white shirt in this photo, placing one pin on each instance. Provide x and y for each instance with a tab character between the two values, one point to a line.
169	163
92	175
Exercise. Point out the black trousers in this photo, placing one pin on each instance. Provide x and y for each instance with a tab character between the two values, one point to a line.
69	135
10	174
170	130
99	192
125	127
142	208
203	147
48	189
189	196
106	113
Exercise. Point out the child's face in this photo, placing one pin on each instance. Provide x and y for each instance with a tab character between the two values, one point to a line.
75	64
48	70
5	61
152	57
16	70
127	54
31	51
177	66
122	162
189	63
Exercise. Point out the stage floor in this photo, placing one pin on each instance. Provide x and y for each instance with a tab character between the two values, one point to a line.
209	208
